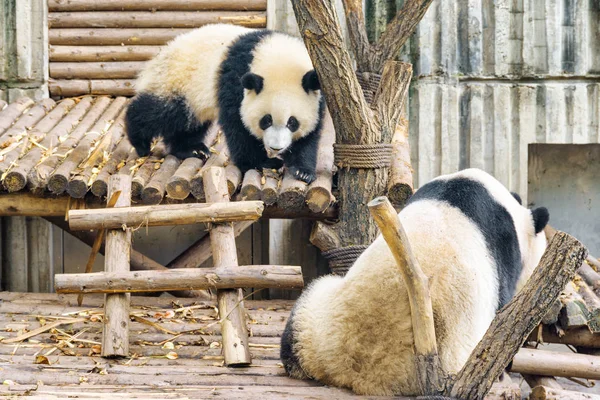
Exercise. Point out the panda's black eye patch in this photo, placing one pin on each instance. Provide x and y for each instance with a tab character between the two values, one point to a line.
265	122
293	124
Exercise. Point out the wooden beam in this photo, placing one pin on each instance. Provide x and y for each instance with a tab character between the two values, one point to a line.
513	323
161	215
156	5
115	324
554	363
417	285
550	393
231	305
224	277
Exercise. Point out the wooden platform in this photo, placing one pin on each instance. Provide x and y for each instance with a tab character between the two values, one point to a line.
70	148
175	345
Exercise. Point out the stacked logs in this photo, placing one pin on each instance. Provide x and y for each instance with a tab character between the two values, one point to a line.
74	146
98	46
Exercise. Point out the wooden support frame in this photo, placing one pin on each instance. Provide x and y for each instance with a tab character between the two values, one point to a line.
223	277
231	306
115	332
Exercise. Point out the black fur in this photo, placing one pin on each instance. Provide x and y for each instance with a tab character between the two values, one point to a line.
149	116
541	217
310	81
290	360
252	81
517	197
492	219
246	150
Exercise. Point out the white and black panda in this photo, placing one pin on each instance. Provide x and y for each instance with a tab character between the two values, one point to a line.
475	242
259	85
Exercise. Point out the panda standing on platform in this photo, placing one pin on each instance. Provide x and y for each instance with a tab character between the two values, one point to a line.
477	245
259	85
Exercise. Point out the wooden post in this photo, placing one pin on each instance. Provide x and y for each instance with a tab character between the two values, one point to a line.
427	361
115	332
231	305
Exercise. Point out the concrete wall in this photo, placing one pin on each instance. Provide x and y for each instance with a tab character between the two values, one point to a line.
23	49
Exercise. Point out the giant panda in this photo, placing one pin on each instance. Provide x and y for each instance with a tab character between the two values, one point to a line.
259	85
475	242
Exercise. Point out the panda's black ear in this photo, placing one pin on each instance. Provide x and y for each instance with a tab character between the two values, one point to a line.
252	81
541	216
310	81
517	197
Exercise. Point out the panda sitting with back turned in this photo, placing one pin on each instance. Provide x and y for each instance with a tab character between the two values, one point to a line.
477	245
259	85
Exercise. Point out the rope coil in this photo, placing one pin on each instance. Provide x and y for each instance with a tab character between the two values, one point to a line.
374	156
340	260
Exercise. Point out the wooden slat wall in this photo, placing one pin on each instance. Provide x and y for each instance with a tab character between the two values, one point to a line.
99	46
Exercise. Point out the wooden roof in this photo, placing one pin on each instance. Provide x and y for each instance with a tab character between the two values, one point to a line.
70	148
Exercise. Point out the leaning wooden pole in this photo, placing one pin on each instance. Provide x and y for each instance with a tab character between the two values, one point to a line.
517	319
231	305
417	285
115	332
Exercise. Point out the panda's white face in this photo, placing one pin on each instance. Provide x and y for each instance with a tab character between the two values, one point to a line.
280	105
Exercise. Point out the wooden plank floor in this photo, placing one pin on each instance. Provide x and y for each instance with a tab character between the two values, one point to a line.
64	363
175	352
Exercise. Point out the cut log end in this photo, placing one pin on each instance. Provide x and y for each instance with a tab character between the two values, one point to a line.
399	194
57	184
77	188
178	188
99	188
318	199
269	196
250	192
15	181
152	196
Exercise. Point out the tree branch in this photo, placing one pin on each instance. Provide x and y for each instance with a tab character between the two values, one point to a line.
390	98
357	31
397	32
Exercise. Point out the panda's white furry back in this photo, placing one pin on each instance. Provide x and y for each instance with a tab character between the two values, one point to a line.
475	242
259	85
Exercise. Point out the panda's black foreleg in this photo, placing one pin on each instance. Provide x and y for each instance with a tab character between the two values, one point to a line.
301	158
142	120
189	142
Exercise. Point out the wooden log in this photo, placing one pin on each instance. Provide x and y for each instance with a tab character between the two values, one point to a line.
138	261
122	151
579	337
160	19
231	305
178	186
318	195
516	320
291	193
219	158
96	70
21	144
39	178
173	214
102	53
80	149
14	111
400	182
234	178
27	121
429	373
591	277
592	303
115	324
201	251
554	363
149	166
270	188
154	191
574	313
539	380
86	172
550	393
251	185
14	254
156	5
223	277
74	87
113	37
17	178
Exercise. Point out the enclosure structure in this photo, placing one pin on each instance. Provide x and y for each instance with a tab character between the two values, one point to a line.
90	60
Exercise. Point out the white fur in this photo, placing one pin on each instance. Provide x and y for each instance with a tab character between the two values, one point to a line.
189	66
356	331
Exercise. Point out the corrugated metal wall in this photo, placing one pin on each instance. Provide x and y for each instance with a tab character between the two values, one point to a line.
493	76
